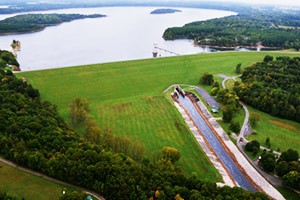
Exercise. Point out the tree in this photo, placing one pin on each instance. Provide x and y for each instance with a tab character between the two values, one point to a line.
282	168
253	146
170	154
207	79
254	119
292	179
267	142
268	58
235	126
238	68
227	114
289	155
268	161
78	110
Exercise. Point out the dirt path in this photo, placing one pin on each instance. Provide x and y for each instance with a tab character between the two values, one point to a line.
96	195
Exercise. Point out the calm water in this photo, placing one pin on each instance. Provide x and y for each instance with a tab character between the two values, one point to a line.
126	33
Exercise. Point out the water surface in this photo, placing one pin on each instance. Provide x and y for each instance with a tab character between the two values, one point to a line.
126	33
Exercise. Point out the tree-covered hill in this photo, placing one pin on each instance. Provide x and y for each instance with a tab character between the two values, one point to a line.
273	86
35	22
267	28
32	134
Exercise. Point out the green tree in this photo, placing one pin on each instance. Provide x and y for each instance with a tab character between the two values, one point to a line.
170	154
268	142
253	146
268	161
289	155
227	114
268	58
78	110
207	79
238	68
292	179
254	119
235	126
282	168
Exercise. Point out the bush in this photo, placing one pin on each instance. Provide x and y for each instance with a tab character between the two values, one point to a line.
207	79
253	146
235	126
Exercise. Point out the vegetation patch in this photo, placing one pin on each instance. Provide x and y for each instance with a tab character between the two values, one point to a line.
21	184
35	22
281	138
135	88
283	125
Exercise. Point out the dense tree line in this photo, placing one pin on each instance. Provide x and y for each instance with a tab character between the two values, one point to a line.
286	166
273	86
32	134
35	22
270	29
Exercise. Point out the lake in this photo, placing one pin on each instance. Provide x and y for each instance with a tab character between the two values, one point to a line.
127	33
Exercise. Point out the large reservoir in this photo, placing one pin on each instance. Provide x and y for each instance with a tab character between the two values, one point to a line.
126	33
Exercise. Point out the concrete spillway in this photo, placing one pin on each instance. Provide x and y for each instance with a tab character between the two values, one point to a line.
215	144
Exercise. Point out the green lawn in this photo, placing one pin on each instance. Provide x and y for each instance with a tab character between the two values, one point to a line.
19	183
283	134
127	96
288	194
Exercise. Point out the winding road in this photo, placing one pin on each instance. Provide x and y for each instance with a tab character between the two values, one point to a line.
241	140
29	171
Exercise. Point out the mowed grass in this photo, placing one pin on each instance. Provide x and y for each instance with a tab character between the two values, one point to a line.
19	183
283	134
155	123
119	96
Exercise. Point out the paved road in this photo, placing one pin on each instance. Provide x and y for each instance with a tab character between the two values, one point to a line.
246	129
29	171
209	99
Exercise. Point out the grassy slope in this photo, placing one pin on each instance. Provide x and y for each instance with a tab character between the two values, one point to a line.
283	134
113	85
19	183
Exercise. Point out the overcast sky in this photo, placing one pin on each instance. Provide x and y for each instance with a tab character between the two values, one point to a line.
271	2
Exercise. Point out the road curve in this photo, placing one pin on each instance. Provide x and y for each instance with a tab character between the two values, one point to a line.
246	129
29	171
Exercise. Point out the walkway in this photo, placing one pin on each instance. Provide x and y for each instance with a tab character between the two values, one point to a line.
242	141
29	171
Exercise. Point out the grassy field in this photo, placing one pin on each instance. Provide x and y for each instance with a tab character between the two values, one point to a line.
283	134
19	183
288	194
127	96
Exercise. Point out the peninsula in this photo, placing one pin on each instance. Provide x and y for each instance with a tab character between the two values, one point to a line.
36	22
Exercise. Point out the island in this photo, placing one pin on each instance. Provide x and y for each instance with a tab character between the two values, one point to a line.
164	11
36	22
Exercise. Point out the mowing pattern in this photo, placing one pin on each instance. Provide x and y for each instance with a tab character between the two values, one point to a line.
154	122
120	95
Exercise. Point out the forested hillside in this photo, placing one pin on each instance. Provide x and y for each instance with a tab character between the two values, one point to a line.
273	86
35	22
7	58
267	28
32	134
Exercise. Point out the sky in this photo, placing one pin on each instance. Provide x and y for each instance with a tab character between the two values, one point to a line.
270	2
